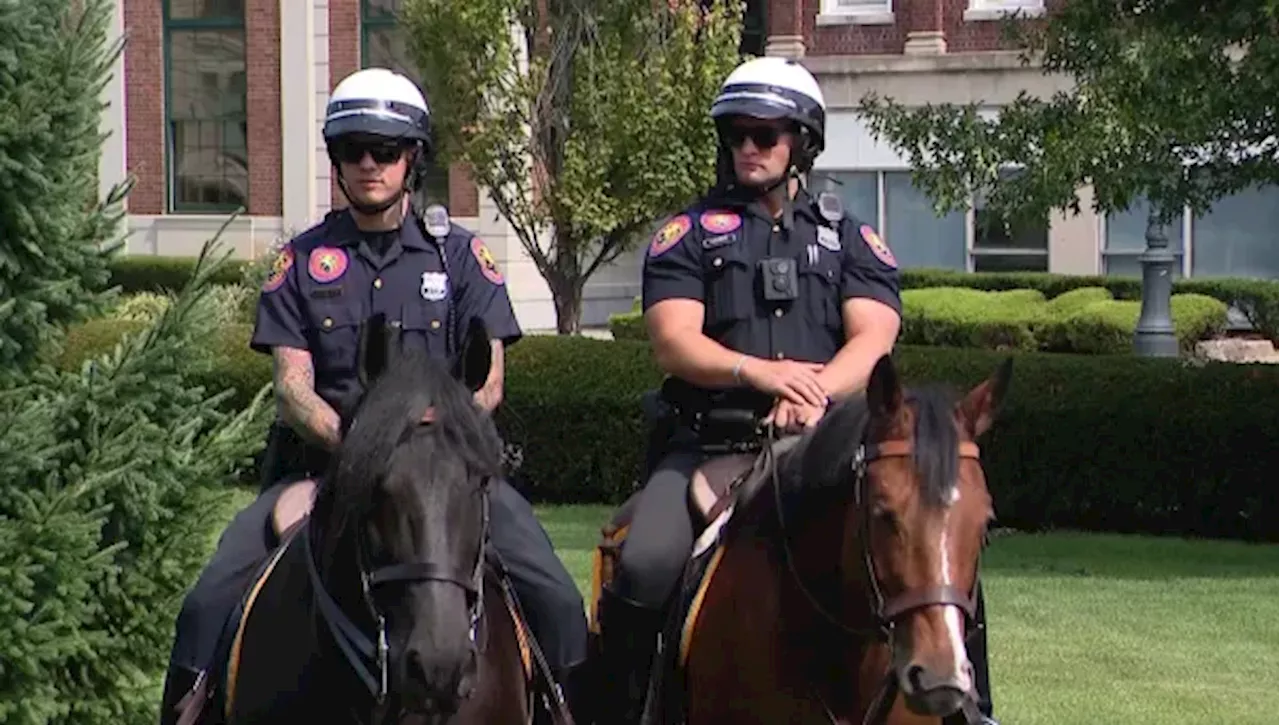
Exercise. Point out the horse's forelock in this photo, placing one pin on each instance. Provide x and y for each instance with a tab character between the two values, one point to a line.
387	418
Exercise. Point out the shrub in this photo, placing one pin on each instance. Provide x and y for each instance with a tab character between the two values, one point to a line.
1257	299
1103	442
152	273
1085	320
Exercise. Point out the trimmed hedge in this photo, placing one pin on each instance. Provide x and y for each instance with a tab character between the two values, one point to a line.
1257	299
152	273
1084	320
1099	442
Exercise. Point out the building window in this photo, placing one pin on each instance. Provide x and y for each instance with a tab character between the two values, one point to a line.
903	215
856	7
1000	245
1238	236
917	235
382	45
1125	237
996	9
206	139
856	12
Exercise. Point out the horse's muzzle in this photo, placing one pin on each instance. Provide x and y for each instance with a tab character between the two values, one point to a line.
927	693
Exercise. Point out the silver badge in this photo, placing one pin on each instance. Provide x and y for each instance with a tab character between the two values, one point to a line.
718	241
829	238
435	286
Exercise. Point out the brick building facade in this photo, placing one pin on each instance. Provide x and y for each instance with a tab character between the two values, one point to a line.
219	103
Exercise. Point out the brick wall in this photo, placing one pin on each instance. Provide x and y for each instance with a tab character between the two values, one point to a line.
144	104
262	53
799	17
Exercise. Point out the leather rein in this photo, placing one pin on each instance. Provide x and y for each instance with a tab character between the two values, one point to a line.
887	611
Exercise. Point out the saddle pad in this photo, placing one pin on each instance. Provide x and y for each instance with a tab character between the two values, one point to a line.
702	568
233	657
522	633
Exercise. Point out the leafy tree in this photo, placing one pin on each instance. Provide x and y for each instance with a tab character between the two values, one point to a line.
1173	100
112	477
584	128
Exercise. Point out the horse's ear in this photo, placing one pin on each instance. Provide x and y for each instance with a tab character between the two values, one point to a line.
979	408
884	391
472	365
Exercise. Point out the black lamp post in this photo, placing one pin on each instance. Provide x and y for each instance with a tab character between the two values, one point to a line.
1154	335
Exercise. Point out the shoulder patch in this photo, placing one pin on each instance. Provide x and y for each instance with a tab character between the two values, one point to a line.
877	245
279	269
719	221
671	233
488	265
327	264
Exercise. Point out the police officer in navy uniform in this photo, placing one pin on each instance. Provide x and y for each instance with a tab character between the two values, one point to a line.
758	297
430	278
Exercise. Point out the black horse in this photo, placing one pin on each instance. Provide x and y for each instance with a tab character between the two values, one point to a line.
385	604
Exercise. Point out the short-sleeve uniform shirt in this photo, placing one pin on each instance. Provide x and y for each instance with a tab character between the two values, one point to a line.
326	282
712	252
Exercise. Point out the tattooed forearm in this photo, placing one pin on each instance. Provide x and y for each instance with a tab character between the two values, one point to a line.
490	396
305	411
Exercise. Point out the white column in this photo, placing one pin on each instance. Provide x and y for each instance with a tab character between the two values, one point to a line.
298	113
112	166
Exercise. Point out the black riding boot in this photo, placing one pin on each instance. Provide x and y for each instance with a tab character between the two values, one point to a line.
629	639
580	692
178	685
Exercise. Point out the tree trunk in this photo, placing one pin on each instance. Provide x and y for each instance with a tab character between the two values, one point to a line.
567	295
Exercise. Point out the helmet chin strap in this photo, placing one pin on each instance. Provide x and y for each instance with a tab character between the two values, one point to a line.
370	209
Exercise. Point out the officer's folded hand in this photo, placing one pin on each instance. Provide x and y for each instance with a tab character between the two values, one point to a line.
789	418
786	379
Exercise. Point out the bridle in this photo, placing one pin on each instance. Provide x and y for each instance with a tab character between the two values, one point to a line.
887	612
369	658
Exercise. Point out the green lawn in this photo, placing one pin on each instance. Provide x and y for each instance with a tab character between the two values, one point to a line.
1094	629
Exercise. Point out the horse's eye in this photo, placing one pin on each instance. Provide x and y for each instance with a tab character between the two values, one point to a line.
886	517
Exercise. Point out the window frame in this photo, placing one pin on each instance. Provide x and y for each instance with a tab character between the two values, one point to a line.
168	26
1182	253
1000	9
971	252
830	13
372	22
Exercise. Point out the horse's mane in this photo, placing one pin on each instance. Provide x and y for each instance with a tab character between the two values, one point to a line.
390	416
821	460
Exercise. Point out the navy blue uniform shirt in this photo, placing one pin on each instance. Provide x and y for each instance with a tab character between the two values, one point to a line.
711	252
328	280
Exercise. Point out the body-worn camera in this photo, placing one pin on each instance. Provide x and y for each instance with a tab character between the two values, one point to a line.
779	278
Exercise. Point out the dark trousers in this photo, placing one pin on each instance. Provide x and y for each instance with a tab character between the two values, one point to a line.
660	539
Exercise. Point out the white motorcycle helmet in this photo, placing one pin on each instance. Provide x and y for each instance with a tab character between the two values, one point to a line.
774	88
377	102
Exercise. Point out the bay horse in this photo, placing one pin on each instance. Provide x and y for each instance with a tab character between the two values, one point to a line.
841	573
384	604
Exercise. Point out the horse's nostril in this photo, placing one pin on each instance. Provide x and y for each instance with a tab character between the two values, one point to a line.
914	677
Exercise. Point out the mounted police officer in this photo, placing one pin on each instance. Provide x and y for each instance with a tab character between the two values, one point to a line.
428	276
759	297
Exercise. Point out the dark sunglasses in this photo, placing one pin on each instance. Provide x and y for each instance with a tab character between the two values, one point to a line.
382	152
764	137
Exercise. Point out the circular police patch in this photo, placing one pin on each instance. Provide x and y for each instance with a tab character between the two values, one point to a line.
671	233
279	268
488	265
878	247
327	264
719	221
